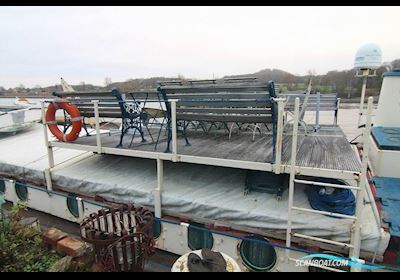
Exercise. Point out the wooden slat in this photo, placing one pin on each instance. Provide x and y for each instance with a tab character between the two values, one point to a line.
101	105
88	108
215	88
82	94
219	104
91	95
219	96
252	111
225	118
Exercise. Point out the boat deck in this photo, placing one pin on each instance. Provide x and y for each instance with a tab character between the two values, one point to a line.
326	149
203	193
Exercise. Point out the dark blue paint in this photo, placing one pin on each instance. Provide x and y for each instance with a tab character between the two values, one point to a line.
2	186
394	73
384	137
388	191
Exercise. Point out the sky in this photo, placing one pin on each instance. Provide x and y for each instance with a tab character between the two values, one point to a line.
38	45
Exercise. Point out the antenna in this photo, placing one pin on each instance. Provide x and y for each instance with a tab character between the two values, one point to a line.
368	59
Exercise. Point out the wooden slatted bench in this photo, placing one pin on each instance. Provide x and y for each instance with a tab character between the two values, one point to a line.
327	102
238	101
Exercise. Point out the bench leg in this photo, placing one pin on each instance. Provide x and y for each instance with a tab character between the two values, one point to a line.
66	128
169	137
335	121
85	128
304	125
168	150
133	137
142	133
203	127
256	128
148	130
230	131
159	134
226	126
121	138
185	126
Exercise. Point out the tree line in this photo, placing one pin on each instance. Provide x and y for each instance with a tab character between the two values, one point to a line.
344	83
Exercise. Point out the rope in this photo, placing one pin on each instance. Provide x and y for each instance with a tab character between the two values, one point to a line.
341	201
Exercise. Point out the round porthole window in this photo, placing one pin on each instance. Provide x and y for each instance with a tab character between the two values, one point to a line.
72	205
157	229
2	186
257	256
199	239
21	190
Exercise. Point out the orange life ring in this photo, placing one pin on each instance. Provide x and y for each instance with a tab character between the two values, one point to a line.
76	120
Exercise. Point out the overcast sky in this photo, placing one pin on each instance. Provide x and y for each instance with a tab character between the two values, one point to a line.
38	45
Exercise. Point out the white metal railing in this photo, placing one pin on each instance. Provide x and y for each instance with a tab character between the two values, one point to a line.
174	156
97	124
279	135
294	170
355	240
174	130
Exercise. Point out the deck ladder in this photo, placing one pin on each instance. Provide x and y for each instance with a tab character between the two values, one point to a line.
355	241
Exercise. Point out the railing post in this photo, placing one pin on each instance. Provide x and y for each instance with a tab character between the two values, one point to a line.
174	130
337	111
160	187
292	176
362	180
97	124
363	91
279	135
318	110
49	148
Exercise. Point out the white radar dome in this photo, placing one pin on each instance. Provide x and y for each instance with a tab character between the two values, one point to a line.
368	56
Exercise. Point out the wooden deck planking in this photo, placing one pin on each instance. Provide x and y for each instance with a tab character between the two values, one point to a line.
328	149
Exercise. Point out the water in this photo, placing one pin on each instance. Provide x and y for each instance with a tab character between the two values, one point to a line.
16	118
9	101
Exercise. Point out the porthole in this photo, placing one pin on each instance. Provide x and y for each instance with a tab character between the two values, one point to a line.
257	256
21	190
157	228
2	186
199	239
72	205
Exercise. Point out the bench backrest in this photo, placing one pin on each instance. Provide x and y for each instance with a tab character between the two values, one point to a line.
109	103
326	102
228	101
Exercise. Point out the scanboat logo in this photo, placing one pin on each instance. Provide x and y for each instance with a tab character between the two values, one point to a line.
325	260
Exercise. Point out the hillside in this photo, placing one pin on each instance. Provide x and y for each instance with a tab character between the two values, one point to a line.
343	82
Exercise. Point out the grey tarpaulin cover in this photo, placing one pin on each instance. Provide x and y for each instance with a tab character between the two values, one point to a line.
197	191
